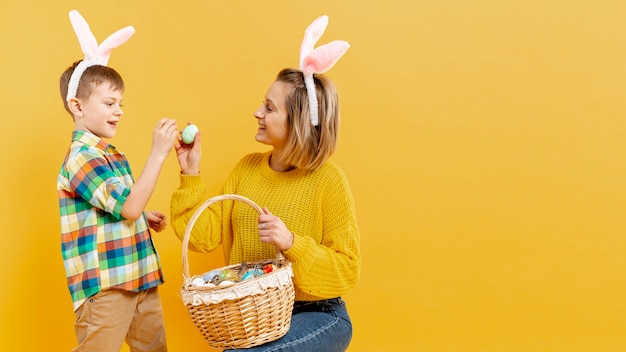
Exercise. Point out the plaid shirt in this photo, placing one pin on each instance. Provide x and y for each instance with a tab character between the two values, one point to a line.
101	249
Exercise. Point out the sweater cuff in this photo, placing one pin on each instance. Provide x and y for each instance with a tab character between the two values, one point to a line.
190	181
298	248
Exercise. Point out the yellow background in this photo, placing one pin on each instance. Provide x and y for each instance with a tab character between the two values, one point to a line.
484	141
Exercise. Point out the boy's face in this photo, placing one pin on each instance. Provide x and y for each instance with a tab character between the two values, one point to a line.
100	112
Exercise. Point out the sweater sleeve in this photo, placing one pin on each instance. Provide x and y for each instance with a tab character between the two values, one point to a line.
330	268
186	199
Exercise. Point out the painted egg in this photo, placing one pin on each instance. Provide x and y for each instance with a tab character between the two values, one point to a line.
226	283
229	274
197	282
247	275
269	268
189	133
215	280
211	274
250	274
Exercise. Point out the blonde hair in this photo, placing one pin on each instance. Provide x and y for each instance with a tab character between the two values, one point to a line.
308	146
91	78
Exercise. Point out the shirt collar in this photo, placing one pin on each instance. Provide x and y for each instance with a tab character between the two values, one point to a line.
90	139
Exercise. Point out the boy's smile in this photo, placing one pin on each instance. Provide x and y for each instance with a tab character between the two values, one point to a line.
100	113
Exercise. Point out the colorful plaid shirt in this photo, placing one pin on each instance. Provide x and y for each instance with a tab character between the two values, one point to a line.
101	249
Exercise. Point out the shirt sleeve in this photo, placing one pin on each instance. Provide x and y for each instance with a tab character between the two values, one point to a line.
93	179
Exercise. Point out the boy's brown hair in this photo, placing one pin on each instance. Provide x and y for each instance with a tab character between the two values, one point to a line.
91	78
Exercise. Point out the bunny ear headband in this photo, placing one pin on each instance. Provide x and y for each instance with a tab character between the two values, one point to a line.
318	60
94	54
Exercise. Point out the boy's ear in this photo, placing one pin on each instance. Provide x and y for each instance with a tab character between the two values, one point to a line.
74	106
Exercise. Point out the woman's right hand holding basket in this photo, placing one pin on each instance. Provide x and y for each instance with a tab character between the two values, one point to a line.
273	230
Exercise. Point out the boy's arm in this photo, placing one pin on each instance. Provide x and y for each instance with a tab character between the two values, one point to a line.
164	136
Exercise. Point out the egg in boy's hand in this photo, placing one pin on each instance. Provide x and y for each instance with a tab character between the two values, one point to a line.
189	133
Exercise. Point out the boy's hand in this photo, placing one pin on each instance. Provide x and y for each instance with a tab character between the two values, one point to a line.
164	136
156	220
189	155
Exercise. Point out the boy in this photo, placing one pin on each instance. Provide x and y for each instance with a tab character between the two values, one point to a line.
112	267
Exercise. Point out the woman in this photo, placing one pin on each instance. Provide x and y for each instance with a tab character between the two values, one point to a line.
308	208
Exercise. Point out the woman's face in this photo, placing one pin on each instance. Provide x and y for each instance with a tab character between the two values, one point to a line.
272	117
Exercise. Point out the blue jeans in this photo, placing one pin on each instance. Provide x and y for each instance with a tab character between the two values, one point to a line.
315	326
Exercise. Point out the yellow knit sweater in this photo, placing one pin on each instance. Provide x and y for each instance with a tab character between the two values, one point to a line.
316	206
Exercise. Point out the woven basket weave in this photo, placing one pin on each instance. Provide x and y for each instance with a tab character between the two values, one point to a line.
245	314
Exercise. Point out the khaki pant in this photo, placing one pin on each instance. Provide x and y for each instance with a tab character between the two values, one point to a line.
108	318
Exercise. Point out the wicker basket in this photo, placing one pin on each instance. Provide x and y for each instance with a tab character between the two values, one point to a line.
244	314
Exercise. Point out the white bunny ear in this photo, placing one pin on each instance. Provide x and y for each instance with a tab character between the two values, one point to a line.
113	41
86	39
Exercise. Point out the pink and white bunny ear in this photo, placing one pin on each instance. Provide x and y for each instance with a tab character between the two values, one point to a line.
113	41
318	60
324	57
312	34
94	54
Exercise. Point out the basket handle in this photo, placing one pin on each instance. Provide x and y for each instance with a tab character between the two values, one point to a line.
197	214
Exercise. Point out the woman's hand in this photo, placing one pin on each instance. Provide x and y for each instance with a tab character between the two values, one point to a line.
189	155
156	220
273	230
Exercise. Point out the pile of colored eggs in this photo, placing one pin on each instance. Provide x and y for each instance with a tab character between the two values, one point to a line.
225	277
